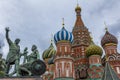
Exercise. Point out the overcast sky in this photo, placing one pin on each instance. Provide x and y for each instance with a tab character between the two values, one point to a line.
33	21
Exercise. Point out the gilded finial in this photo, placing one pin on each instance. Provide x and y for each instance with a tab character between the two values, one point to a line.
63	22
51	41
78	7
77	3
106	28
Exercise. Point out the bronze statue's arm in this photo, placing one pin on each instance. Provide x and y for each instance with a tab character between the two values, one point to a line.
7	36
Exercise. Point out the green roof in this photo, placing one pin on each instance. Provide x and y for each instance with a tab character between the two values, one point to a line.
109	73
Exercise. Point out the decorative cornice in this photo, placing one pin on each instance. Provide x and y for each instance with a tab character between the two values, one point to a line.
63	57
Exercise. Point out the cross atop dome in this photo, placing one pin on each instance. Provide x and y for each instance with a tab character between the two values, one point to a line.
106	28
63	22
51	41
78	8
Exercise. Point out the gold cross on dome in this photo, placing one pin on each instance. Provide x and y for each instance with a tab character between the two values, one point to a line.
77	3
63	22
106	28
51	38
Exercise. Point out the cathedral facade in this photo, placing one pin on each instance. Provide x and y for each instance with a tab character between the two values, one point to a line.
77	57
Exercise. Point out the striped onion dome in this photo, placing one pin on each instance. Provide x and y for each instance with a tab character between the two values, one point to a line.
108	38
62	35
48	53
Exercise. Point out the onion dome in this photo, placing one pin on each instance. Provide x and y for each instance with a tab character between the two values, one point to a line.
93	50
78	8
108	38
63	35
48	53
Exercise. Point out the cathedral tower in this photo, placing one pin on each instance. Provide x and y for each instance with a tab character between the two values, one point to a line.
109	43
80	43
64	62
48	57
94	53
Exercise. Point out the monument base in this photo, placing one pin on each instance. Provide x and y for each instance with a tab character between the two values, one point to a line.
21	78
66	78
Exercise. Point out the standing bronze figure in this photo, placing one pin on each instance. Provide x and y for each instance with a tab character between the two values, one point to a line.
13	54
31	66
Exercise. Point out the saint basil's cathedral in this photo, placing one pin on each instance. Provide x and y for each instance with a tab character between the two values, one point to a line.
77	57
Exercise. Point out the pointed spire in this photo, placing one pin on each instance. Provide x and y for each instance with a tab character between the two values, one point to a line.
79	21
51	38
51	41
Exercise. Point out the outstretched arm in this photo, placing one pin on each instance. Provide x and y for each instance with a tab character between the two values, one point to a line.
7	35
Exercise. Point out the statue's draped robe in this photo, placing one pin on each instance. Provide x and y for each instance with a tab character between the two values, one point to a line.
13	52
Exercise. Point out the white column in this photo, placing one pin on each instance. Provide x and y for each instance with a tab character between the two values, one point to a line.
63	66
67	73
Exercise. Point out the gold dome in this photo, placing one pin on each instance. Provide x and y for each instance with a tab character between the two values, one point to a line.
48	53
93	50
78	8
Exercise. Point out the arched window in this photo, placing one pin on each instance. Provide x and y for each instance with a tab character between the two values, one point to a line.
67	70
77	73
83	73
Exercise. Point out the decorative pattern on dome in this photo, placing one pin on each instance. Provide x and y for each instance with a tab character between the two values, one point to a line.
93	50
51	60
48	53
108	38
63	34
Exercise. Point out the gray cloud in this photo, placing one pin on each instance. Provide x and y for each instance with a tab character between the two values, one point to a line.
115	28
33	21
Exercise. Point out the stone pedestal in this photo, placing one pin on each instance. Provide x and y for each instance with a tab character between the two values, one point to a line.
22	78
